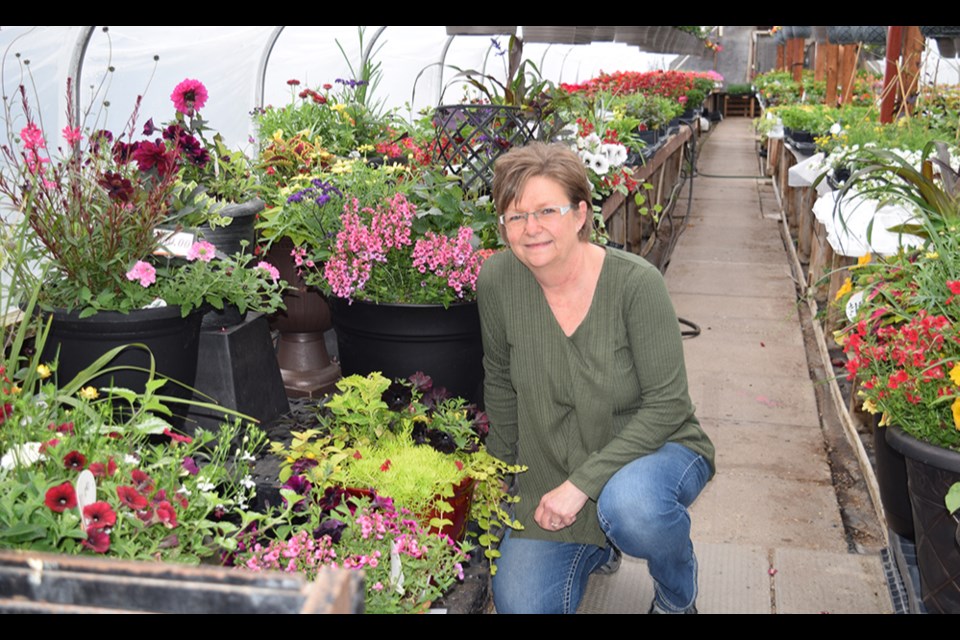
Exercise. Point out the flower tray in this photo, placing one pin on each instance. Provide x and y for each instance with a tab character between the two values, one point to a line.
33	582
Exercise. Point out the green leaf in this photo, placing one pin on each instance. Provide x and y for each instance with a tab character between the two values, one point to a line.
952	499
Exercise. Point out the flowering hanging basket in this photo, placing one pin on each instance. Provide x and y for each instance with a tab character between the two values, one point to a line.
870	34
470	137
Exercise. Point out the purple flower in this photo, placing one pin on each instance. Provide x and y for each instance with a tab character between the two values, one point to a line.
301	486
190	465
302	465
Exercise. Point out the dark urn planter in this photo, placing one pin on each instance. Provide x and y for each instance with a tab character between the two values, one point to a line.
931	470
399	340
305	363
229	239
171	339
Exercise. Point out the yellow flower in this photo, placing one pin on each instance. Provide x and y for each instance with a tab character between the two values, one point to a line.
884	420
310	455
955	374
870	406
839	337
89	393
932	255
15	389
278	135
956	413
43	371
862	260
845	289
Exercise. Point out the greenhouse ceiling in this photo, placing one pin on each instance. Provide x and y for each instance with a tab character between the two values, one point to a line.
244	67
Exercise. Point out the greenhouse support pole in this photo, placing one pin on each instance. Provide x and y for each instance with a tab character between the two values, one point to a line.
894	40
76	67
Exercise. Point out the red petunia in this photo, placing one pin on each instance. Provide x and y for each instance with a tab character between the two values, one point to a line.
61	497
167	514
99	515
49	444
97	541
131	498
100	470
142	481
176	437
75	461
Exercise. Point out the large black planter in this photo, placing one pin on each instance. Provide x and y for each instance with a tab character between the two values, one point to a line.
171	339
229	239
931	471
892	480
401	339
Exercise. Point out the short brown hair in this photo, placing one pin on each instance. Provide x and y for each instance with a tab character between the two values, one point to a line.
555	161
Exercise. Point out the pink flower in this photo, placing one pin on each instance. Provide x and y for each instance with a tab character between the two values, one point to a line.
72	135
269	268
32	137
188	96
144	272
203	251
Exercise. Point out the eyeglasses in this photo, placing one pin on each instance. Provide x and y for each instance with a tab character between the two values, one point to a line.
518	219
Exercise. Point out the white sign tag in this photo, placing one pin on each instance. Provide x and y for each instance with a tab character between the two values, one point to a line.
175	243
853	304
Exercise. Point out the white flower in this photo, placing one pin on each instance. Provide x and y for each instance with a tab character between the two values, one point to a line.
835	129
616	154
205	486
249	457
599	164
184	491
592	142
21	455
131	459
248	482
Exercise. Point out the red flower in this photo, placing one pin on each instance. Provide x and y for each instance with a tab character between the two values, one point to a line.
49	444
5	410
293	83
459	465
176	437
99	515
327	86
99	470
61	497
386	465
167	514
154	154
131	498
75	461
97	541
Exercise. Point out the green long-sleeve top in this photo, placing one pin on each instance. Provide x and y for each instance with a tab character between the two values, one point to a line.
579	408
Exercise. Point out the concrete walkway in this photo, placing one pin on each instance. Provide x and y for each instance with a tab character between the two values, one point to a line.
767	529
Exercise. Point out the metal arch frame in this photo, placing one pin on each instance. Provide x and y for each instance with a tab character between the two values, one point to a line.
76	67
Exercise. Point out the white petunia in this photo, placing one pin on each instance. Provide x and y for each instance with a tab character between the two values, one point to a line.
21	455
599	164
616	154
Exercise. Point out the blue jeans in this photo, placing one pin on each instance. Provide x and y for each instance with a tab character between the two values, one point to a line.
643	512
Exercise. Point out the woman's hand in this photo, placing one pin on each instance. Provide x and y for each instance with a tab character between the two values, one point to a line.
559	508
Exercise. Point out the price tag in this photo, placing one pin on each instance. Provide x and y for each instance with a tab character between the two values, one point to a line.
853	304
175	243
86	491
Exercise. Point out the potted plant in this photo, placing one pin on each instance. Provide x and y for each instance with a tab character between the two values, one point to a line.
94	208
402	301
905	348
409	441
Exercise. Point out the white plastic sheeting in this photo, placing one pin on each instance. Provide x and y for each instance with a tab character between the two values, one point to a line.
417	63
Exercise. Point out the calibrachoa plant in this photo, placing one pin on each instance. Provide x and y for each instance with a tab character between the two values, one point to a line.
405	566
376	258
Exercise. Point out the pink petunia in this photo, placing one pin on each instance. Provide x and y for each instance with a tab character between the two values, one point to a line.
202	250
144	272
269	268
188	96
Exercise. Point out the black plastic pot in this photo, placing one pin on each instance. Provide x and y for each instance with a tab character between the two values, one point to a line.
229	239
401	339
931	470
172	340
891	471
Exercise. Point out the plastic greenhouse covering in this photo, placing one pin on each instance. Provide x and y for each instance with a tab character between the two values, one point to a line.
244	67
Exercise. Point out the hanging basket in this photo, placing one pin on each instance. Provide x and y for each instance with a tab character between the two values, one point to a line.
550	35
797	32
872	34
470	137
948	47
938	32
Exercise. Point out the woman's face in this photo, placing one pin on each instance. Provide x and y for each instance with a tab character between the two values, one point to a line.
550	240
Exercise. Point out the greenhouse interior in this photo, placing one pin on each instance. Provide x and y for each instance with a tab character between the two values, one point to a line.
258	356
